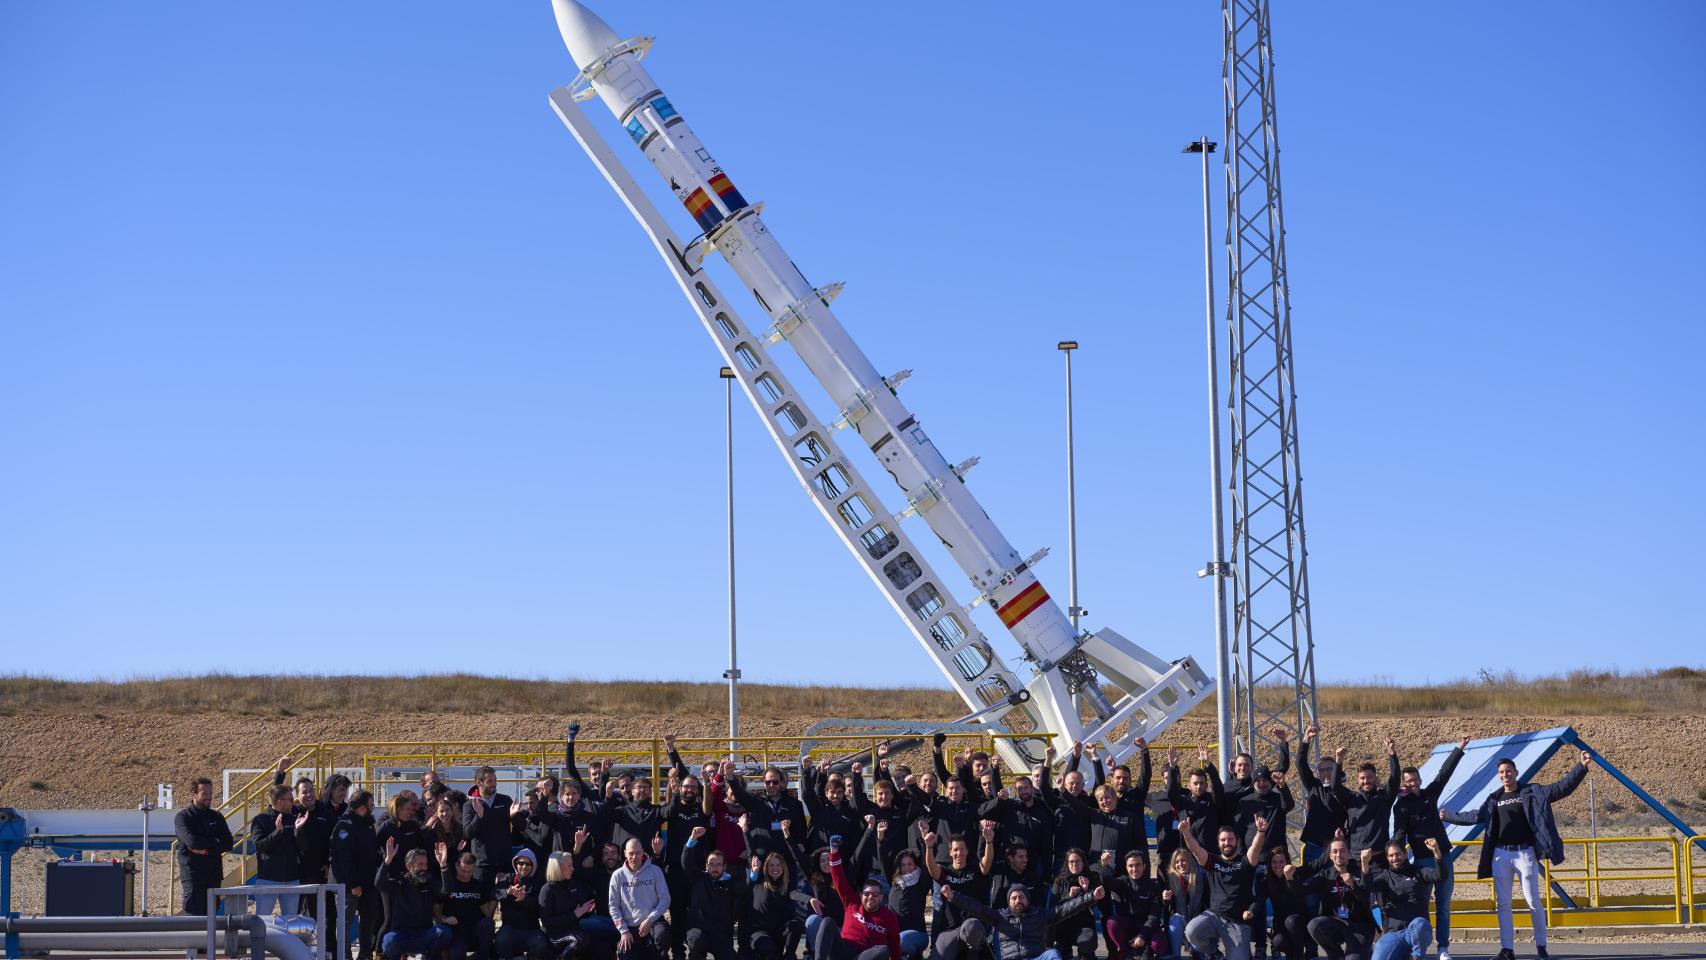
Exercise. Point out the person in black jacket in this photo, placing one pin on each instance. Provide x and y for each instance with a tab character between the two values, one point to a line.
276	851
1404	890
1137	918
518	899
410	920
203	839
465	905
355	859
485	820
1325	797
564	901
1344	927
1023	930
767	811
1415	820
1287	902
1520	830
1201	803
772	929
1368	808
717	899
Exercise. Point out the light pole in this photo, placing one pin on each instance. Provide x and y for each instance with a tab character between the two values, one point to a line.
1217	567
732	674
1073	610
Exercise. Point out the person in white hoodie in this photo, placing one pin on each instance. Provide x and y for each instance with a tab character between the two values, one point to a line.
638	899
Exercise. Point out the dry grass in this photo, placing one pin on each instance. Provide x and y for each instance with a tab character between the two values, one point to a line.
1678	690
449	693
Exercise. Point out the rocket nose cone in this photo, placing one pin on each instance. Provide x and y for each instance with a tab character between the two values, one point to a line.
586	34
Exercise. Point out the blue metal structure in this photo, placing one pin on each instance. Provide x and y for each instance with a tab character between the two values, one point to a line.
1477	774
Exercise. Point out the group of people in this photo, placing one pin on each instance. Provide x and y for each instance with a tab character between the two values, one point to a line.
963	860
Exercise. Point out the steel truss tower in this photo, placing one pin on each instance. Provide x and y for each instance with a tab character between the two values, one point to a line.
1273	653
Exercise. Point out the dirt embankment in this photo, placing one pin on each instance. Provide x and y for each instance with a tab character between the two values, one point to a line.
53	760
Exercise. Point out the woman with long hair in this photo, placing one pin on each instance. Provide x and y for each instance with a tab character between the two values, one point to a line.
1077	931
909	893
772	929
1186	896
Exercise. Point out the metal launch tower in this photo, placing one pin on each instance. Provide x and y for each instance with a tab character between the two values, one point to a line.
1273	652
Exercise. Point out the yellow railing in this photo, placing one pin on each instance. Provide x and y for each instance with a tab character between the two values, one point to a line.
1613	881
1694	871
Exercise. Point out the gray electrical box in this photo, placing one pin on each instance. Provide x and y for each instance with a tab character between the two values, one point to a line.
83	888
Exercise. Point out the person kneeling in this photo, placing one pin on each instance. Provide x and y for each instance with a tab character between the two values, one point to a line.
1024	931
869	929
411	926
1405	890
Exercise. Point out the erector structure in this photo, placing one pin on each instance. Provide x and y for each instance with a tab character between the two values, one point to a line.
1273	650
1083	686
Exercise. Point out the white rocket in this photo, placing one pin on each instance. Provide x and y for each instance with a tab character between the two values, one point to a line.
1071	669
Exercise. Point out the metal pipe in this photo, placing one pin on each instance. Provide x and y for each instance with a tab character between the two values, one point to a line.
1066	347
1217	569
733	673
120	924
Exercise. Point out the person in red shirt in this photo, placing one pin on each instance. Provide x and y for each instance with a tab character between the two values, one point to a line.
869	929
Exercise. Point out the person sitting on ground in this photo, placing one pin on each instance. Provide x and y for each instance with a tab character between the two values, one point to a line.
772	929
1186	897
1136	913
1023	929
717	899
410	902
565	903
1344	927
867	929
1404	890
465	905
518	899
1286	899
1075	934
639	897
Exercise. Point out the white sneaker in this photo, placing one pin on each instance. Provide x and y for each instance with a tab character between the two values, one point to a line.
1444	954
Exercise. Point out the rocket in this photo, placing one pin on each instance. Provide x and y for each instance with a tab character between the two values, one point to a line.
868	404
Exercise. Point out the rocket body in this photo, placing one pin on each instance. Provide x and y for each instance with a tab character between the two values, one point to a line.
801	315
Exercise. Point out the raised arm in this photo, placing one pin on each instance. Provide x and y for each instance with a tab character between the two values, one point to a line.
1175	795
1393	780
1572	780
838	877
1145	768
1190	840
1254	855
1305	772
572	771
986	848
941	765
927	840
1446	769
1282	743
1482	815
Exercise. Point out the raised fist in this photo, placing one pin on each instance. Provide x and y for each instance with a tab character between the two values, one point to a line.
574	729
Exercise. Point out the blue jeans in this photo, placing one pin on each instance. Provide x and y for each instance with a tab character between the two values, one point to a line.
1442	898
813	921
913	943
430	941
1049	954
289	904
1412	941
1176	934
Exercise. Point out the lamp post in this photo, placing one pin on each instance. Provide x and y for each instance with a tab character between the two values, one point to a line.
1217	566
732	674
1073	610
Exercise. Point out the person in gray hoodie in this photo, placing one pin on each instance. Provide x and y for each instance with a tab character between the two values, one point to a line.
639	897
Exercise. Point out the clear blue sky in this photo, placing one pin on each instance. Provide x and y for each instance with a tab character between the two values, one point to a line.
326	349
